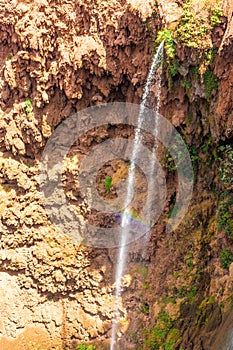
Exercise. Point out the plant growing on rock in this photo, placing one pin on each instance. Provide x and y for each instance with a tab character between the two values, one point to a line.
215	16
226	258
225	215
108	184
145	308
170	49
162	334
190	30
85	347
210	83
173	339
226	166
209	55
169	44
198	19
28	107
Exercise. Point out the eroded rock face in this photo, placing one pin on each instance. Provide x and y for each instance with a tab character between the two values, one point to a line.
58	58
81	49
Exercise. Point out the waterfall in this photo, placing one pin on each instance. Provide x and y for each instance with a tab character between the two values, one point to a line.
125	220
151	183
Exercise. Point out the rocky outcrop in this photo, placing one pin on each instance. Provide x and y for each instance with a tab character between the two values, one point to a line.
58	58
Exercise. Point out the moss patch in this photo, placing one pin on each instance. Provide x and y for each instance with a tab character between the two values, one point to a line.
210	83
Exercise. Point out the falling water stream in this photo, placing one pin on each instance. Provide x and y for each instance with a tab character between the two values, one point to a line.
125	221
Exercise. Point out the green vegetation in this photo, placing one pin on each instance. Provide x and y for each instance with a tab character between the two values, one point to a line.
190	30
145	308
172	65
175	157
157	336
210	83
189	292
162	335
28	107
173	339
85	347
193	27
168	162
173	68
185	292
207	144
108	184
215	16
186	84
189	260
202	310
141	271
226	166
168	299
209	55
169	44
225	214
10	56
226	258
205	302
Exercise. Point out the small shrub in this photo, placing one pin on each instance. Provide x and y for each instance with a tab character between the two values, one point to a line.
28	102
173	68
189	260
209	56
226	258
85	347
28	107
10	56
168	162
108	184
193	154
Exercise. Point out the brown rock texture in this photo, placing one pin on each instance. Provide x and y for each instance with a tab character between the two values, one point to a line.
57	58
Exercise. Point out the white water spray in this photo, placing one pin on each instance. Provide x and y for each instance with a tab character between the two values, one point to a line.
123	250
151	183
